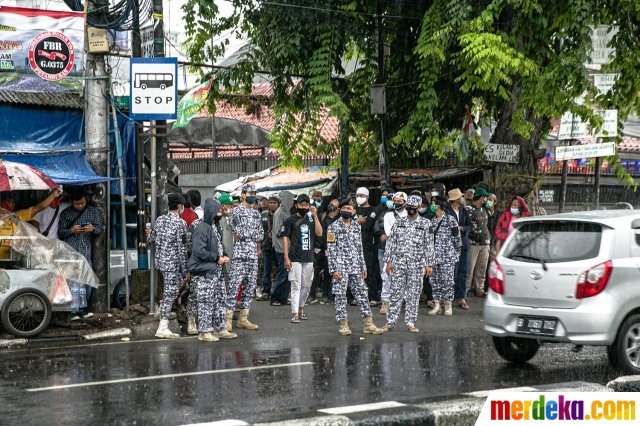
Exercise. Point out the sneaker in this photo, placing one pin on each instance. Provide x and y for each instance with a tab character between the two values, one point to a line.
87	315
259	293
75	318
325	301
374	303
311	300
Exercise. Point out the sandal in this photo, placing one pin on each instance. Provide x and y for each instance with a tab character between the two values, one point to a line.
295	320
463	305
303	316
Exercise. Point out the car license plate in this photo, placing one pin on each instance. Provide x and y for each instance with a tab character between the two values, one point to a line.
537	326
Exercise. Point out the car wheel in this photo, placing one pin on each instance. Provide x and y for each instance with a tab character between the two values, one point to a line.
120	295
514	349
26	313
626	349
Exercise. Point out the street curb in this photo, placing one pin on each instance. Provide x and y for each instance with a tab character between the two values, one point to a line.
7	343
114	333
625	384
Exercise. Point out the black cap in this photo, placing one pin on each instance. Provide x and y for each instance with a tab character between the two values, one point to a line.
345	202
440	201
175	198
302	198
274	198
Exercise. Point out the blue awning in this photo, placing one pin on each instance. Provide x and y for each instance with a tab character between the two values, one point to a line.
69	168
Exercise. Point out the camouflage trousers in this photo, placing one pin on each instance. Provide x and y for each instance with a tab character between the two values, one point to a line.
245	272
442	282
211	296
406	283
359	291
172	281
192	300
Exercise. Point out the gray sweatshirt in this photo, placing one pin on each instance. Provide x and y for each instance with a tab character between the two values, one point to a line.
282	214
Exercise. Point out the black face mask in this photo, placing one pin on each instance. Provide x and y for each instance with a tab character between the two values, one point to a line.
346	215
302	212
331	208
216	219
411	211
398	206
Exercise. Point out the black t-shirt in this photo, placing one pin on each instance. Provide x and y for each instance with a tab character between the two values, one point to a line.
302	236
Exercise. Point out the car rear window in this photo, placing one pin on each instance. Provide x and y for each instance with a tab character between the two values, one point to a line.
555	242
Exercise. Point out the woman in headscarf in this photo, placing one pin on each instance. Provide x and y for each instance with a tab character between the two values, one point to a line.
447	243
517	208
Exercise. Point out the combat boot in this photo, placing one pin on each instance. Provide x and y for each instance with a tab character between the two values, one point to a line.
370	327
228	325
243	321
163	331
447	309
207	337
436	308
412	328
344	328
224	334
384	308
192	328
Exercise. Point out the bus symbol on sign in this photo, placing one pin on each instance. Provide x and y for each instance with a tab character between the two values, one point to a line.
152	80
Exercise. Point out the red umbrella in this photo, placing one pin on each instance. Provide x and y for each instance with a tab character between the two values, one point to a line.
19	176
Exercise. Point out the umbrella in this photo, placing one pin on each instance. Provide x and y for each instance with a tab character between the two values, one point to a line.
19	176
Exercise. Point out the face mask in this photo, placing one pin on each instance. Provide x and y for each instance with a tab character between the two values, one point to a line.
302	212
432	208
360	200
331	208
411	211
217	218
251	199
383	199
488	204
345	214
422	210
389	204
514	212
434	193
398	206
317	203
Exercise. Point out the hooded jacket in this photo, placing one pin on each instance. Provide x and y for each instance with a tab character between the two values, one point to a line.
279	217
205	240
504	223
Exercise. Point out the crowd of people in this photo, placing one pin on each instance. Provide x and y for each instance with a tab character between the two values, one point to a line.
431	246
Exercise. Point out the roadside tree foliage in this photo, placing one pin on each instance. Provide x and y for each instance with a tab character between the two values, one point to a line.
521	63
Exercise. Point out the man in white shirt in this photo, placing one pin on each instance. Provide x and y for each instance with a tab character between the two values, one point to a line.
49	217
196	200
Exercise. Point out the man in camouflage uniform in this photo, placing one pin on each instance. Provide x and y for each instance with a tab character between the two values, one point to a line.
409	256
169	237
348	269
247	235
205	265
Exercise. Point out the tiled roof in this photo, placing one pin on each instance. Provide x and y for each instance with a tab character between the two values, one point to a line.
58	100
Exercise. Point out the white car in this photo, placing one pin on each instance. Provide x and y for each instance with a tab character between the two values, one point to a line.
568	278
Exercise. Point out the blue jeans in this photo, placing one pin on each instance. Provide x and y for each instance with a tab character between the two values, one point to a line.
268	260
460	275
281	286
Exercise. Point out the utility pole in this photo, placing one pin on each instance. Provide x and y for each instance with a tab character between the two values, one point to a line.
161	129
384	159
97	152
136	52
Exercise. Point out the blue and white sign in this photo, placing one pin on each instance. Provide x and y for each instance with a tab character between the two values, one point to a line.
154	89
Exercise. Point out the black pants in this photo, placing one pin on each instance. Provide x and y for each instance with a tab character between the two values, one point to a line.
318	267
426	288
281	286
326	283
374	284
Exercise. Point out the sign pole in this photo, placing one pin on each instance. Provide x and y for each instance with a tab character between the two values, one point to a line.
563	187
154	205
596	183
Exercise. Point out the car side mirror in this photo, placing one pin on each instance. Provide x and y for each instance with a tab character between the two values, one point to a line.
635	224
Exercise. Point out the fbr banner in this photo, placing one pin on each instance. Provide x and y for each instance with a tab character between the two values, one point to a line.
41	50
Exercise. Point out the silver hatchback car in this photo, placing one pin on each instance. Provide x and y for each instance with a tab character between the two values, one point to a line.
568	278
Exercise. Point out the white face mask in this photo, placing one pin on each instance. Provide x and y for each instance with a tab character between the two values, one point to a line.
515	212
422	210
361	200
434	193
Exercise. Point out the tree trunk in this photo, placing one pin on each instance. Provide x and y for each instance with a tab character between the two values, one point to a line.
522	178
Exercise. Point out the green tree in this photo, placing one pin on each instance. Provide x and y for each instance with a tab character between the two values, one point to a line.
520	61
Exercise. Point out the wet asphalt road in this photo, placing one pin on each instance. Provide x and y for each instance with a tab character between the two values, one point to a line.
283	370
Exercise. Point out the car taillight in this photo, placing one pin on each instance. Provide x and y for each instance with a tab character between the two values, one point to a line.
594	280
496	277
